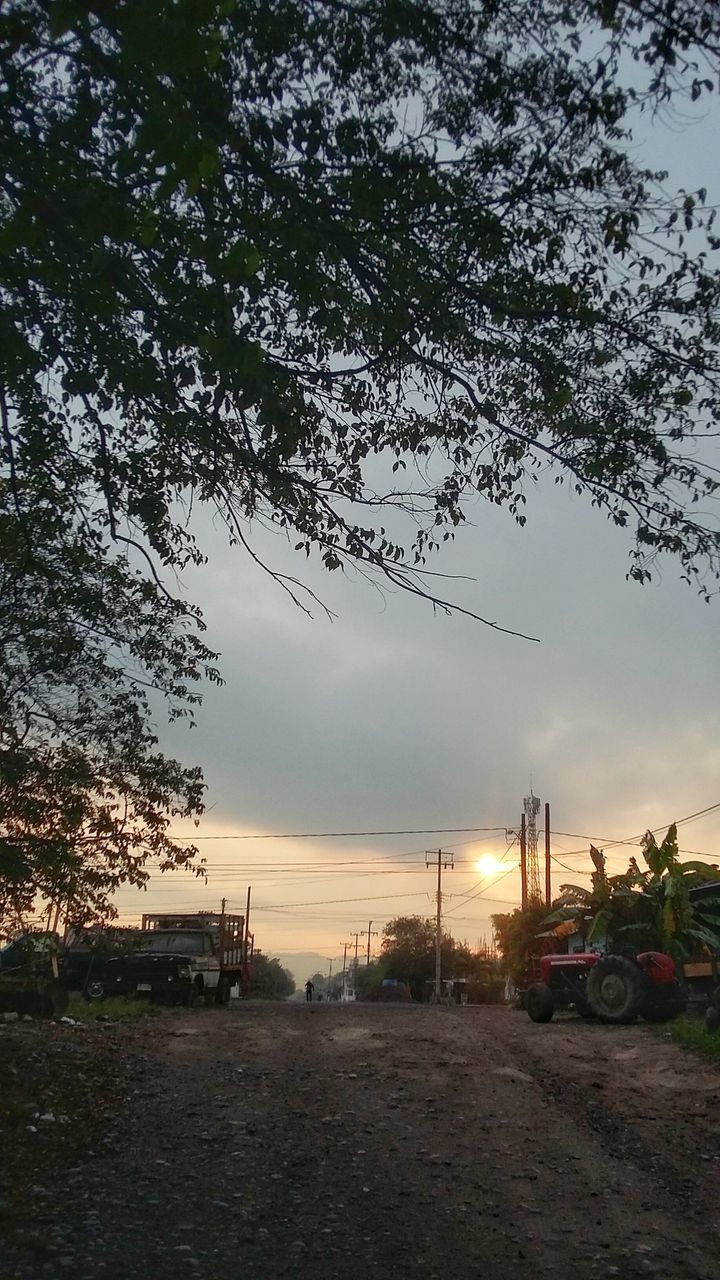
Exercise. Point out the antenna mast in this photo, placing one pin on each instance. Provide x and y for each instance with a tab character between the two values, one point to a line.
531	805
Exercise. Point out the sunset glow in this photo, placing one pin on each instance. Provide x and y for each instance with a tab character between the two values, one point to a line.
488	864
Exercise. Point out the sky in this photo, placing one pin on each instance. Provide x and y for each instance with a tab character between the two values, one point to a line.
395	719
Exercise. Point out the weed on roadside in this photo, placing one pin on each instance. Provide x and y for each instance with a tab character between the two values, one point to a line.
115	1009
693	1035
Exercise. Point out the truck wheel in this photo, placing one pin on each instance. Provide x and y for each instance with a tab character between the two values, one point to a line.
95	990
616	989
539	1002
194	997
222	992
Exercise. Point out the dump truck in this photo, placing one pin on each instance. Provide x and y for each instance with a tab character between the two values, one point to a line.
183	958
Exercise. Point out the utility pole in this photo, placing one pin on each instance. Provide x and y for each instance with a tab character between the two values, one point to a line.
370	935
344	975
548	875
357	936
523	865
247	923
444	860
329	980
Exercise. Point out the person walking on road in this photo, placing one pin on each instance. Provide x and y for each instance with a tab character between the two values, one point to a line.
309	988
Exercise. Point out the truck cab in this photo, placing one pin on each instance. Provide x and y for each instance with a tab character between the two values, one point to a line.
183	959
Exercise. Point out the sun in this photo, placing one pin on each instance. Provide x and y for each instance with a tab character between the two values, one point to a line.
488	864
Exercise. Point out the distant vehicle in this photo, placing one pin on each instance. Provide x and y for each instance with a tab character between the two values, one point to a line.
393	989
182	959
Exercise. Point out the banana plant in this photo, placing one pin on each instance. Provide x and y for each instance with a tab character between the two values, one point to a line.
668	916
608	905
646	908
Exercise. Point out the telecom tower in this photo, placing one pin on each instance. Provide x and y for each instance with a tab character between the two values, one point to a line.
531	805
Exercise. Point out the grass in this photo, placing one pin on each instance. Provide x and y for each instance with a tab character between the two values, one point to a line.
117	1009
692	1034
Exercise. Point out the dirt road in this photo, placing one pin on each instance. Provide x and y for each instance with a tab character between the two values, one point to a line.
320	1142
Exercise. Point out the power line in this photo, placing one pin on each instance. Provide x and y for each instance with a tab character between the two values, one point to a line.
337	835
334	867
481	892
609	843
316	916
428	831
470	896
326	902
620	853
320	864
299	864
574	870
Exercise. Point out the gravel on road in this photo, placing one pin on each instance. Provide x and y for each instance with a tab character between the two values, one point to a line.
316	1142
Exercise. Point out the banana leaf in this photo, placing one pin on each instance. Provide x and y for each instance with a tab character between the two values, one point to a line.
710	937
600	925
563	913
639	932
707	870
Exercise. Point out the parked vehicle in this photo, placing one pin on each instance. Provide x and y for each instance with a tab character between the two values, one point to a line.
393	990
29	975
85	955
188	959
702	972
613	988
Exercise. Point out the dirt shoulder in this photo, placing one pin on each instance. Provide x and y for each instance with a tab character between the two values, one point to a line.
63	1088
321	1142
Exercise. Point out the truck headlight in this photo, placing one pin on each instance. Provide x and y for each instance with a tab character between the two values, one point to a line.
183	972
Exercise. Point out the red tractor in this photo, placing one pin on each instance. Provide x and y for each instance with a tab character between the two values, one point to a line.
613	988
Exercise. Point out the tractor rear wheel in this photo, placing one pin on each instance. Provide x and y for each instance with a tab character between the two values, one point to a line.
539	1002
616	989
663	1003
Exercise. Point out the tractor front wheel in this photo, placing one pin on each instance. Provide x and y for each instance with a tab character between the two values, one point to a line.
539	1002
616	989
